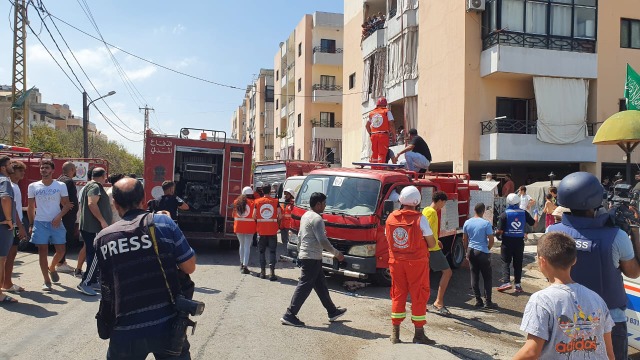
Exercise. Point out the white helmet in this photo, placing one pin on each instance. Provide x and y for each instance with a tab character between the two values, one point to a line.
410	196
290	191
513	199
259	184
247	190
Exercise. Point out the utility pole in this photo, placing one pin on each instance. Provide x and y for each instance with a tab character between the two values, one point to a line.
19	129
146	109
85	121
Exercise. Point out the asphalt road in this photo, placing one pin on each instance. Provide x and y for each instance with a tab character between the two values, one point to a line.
241	320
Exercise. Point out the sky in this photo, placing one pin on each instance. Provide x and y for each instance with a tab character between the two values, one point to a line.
226	42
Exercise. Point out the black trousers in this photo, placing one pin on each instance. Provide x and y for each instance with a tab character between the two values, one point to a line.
480	263
70	226
312	278
270	241
512	249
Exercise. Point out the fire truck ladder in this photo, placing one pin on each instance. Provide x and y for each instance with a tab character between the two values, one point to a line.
236	157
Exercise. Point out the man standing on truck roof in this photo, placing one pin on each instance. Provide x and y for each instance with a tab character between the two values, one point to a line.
437	260
409	238
417	154
287	207
379	126
268	216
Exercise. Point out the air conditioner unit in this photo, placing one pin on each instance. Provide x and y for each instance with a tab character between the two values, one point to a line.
476	5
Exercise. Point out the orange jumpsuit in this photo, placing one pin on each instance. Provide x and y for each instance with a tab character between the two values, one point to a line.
379	121
409	266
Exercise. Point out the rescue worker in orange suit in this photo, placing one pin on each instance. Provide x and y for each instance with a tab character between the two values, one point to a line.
268	215
380	126
287	222
244	225
409	236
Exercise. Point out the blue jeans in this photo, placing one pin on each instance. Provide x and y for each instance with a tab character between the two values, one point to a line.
91	275
416	161
138	349
620	340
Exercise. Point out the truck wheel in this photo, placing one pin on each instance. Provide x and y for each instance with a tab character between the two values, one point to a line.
456	255
382	277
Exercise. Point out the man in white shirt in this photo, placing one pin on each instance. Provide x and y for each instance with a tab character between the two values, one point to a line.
45	225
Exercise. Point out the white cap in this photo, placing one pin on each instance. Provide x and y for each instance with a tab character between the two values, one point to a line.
290	191
259	184
560	210
513	199
247	190
410	196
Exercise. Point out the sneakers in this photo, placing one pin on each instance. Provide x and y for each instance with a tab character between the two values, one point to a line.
263	274
47	287
479	303
519	289
245	270
64	268
96	287
77	273
291	320
338	313
490	305
85	289
504	287
54	276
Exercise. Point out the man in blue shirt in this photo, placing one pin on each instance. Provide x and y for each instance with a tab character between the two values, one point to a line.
477	235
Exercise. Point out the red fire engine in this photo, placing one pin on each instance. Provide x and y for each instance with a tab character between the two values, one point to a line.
209	172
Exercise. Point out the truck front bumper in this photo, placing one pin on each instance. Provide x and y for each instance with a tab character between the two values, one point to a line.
352	266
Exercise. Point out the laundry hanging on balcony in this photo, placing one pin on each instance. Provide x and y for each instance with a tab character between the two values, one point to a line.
411	113
562	109
373	75
405	5
365	151
403	57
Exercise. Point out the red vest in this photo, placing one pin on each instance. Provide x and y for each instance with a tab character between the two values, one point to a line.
244	223
287	222
379	120
267	214
405	237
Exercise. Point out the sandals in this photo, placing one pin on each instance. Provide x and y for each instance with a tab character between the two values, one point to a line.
8	300
442	311
14	289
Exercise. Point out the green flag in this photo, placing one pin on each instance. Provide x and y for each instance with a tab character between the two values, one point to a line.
632	89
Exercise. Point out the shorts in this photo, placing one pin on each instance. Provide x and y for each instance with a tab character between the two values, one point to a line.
44	233
6	240
437	261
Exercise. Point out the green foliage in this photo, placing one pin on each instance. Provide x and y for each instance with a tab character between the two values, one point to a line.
69	144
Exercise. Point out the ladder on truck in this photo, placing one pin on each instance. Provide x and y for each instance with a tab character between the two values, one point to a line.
236	162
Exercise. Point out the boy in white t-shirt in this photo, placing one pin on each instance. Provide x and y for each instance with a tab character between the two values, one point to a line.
45	224
565	320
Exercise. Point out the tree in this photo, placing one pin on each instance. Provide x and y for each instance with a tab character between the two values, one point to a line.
69	144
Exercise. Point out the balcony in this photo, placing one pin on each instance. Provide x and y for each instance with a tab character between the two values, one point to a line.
327	133
327	94
283	112
516	140
373	42
538	55
404	20
327	56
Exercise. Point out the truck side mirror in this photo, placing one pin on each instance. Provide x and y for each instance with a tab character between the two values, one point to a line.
387	209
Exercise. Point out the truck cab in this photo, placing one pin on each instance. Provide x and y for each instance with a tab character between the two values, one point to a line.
358	202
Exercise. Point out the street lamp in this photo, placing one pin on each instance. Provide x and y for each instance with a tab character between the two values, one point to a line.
85	121
551	177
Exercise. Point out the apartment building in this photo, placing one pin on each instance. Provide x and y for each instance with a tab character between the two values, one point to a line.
309	87
515	86
238	129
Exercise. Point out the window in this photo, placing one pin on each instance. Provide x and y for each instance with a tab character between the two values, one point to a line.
327	81
327	119
299	120
268	93
327	45
277	75
277	104
299	49
630	34
329	155
352	81
513	109
299	84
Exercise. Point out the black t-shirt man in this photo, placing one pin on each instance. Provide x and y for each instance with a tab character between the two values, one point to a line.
71	216
170	203
420	146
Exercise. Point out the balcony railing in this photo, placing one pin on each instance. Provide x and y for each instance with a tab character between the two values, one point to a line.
327	87
316	123
328	50
538	41
510	126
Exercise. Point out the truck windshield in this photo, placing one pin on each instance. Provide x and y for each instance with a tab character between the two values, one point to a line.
345	195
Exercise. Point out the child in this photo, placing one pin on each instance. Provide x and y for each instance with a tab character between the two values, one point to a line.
565	320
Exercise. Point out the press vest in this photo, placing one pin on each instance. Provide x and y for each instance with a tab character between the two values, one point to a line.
516	221
137	287
287	222
267	216
404	236
594	267
244	223
379	120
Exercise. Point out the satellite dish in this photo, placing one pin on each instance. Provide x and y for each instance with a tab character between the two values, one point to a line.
185	132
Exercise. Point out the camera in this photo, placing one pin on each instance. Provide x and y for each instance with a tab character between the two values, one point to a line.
178	335
623	205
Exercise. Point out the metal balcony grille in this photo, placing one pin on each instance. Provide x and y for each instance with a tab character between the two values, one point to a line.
550	42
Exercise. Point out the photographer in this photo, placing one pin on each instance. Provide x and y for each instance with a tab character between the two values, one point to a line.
604	251
136	290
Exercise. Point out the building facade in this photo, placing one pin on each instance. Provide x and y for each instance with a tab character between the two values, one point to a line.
252	121
520	87
309	90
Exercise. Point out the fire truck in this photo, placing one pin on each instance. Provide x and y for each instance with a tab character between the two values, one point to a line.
277	171
209	171
358	205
